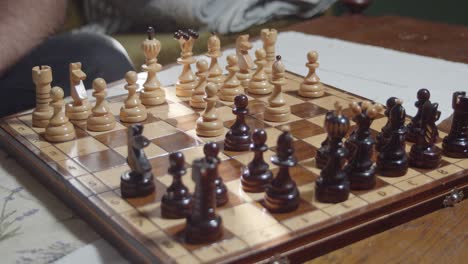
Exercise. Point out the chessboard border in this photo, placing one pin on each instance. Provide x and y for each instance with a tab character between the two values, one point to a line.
300	248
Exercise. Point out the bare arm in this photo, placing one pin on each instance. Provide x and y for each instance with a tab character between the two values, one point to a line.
24	24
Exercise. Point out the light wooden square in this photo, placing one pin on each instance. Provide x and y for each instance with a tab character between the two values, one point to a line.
225	113
328	102
272	136
111	177
72	167
170	110
20	128
151	151
392	180
193	133
158	129
118	126
153	213
172	248
346	206
310	164
380	194
305	220
265	234
414	182
81	147
27	119
114	107
140	222
317	140
53	153
235	187
115	202
377	124
220	249
290	100
444	171
238	219
318	120
92	183
187	259
463	163
292	118
453	160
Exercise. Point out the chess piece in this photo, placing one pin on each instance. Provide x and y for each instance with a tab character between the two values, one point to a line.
424	153
187	79
132	111
257	175
259	83
42	77
455	144
211	151
59	129
203	225
152	93
231	87
100	119
214	52
269	37
177	201
238	136
311	86
415	125
360	144
244	60
79	110
323	152
333	185
196	100
209	124
392	160
282	195
277	109
384	134
138	182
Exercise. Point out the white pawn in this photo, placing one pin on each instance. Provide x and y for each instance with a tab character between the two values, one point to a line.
132	111
60	128
208	124
196	100
231	87
277	110
259	83
311	86
100	119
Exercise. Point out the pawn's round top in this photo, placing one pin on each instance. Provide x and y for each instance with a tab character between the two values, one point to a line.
202	65
211	89
259	136
391	102
278	57
150	32
278	66
241	101
176	159
56	93
260	54
211	149
99	84
312	56
131	77
232	60
424	94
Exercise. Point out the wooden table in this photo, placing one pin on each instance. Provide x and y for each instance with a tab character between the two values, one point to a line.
439	237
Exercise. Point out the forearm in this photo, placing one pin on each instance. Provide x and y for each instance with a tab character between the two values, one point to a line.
24	24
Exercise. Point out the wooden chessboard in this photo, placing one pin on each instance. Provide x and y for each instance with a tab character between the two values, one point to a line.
85	173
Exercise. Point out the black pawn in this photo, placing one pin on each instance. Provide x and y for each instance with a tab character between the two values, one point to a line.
333	185
211	151
238	136
424	153
177	201
282	195
137	182
203	225
455	144
257	174
381	138
392	160
414	126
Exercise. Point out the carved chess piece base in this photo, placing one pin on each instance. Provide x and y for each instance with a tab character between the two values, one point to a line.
133	115
336	193
311	90
260	88
204	232
282	202
362	180
455	148
61	133
277	114
41	119
237	143
392	168
131	188
151	98
257	184
176	209
101	123
428	158
185	89
197	102
210	128
78	115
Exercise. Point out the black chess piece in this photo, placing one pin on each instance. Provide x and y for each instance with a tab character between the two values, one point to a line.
360	167
333	185
414	126
257	174
238	136
381	138
323	152
211	151
177	201
203	225
455	144
282	195
392	160
424	153
137	182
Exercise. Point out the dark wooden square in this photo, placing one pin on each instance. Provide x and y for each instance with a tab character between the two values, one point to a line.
307	110
99	161
253	123
302	150
229	169
113	139
299	174
184	123
175	142
160	165
303	129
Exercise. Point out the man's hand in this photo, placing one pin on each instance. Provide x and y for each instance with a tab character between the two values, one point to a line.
24	24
